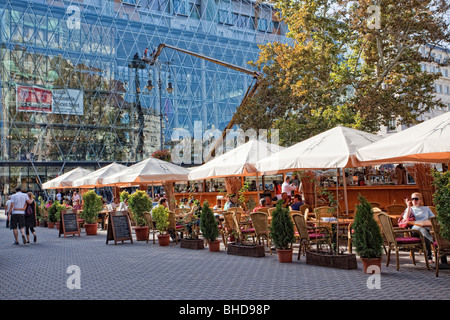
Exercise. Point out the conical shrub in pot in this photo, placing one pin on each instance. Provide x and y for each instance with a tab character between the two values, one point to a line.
139	202
160	216
282	232
367	237
92	207
209	227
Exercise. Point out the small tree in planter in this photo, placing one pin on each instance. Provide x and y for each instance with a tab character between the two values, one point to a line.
139	202
54	213
160	216
282	232
209	227
441	199
367	237
92	207
124	195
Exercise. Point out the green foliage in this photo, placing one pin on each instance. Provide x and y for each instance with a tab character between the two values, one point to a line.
54	212
208	223
92	207
441	199
124	195
367	237
139	202
160	216
336	70
282	227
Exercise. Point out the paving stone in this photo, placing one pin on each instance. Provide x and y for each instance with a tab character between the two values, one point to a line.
142	271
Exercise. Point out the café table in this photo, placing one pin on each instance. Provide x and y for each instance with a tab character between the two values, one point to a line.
423	224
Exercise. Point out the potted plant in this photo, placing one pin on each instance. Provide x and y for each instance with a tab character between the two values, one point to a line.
367	237
160	216
92	207
209	227
54	214
442	201
139	202
282	232
124	195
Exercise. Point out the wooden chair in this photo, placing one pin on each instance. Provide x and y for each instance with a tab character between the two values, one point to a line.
151	226
261	225
306	238
173	227
242	231
265	210
406	241
396	209
303	208
433	209
228	225
441	246
270	211
324	212
238	210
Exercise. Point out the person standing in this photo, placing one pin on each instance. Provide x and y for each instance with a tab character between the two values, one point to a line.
30	219
288	187
8	211
76	201
19	204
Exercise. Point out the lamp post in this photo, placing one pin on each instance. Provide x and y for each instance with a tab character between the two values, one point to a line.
169	90
136	64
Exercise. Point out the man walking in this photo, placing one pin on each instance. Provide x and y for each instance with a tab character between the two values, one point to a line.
19	204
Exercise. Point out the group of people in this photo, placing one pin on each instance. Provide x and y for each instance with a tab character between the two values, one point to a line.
21	214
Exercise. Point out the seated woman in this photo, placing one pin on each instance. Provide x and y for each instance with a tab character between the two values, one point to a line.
420	213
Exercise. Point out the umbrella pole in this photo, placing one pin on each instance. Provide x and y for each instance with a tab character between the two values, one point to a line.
345	192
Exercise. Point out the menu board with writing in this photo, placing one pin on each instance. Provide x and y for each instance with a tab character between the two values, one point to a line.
119	227
69	223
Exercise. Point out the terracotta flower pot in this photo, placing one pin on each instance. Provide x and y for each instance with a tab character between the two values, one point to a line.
141	233
164	239
367	262
50	225
91	229
214	246
285	256
57	225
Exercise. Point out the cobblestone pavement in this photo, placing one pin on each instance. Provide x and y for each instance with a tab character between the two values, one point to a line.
136	271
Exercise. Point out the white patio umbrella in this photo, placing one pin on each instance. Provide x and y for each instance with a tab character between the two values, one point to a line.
428	141
332	149
66	180
148	171
95	179
237	162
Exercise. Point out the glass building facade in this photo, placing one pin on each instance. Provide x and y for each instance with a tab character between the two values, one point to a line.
74	89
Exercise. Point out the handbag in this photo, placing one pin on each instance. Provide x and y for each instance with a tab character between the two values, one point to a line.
403	223
29	210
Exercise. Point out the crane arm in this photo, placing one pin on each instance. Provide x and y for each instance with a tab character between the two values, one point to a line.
250	91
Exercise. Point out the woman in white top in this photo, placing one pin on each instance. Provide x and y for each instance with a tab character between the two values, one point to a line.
421	213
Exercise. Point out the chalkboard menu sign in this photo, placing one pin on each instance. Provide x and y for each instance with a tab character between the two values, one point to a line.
69	223
119	227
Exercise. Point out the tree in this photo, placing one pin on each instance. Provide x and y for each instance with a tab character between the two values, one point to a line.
335	69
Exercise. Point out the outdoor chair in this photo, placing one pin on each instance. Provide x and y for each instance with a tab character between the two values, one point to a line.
228	225
395	209
318	236
238	210
401	239
270	212
243	232
433	209
173	227
261	226
441	246
151	227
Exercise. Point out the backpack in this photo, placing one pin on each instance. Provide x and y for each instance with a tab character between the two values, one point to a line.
29	210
